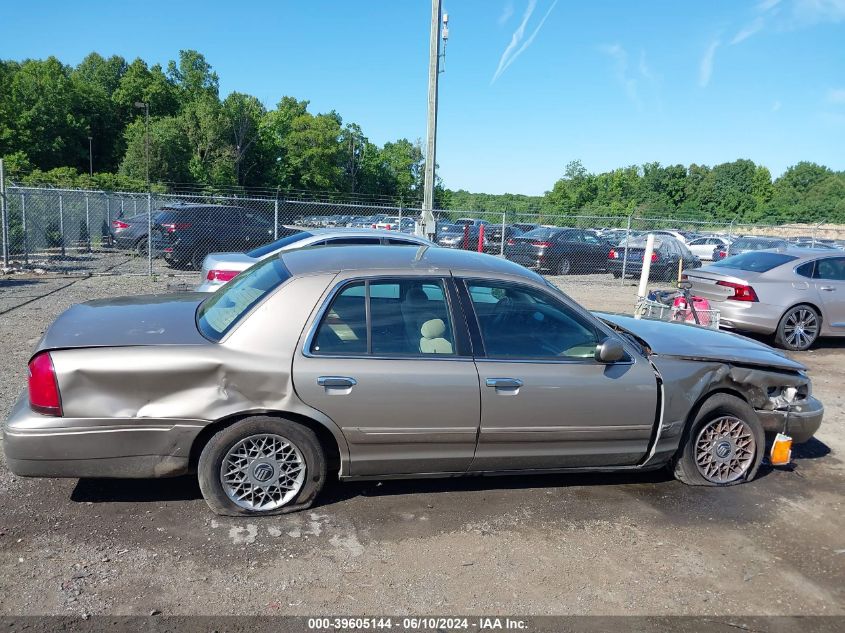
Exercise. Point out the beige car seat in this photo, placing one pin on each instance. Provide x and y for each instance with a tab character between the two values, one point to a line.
432	341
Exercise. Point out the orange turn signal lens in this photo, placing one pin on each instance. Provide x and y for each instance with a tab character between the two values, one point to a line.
781	450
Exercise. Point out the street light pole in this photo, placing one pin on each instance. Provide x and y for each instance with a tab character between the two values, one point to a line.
431	135
146	106
90	156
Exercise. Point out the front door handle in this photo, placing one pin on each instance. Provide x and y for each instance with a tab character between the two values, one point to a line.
827	288
505	385
337	382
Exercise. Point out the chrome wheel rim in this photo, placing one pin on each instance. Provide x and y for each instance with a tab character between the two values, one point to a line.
801	328
262	472
725	449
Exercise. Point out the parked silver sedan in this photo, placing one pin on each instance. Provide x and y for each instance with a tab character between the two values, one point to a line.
796	294
373	362
219	268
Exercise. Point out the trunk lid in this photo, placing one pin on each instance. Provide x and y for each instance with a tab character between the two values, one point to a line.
226	261
705	281
127	321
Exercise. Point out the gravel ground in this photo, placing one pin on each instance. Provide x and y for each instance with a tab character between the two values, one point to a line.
598	544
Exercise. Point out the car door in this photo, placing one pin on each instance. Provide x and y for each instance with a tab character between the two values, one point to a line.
388	359
702	247
829	279
545	401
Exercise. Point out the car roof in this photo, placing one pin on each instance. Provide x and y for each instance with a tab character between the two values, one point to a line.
801	252
353	232
308	261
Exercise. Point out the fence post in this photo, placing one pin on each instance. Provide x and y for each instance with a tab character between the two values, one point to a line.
87	224
502	246
149	233
815	228
276	218
62	224
135	202
400	218
625	256
108	212
23	226
731	230
4	214
122	210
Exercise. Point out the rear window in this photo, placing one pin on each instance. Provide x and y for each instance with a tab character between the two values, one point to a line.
756	244
540	234
174	215
219	313
758	262
261	251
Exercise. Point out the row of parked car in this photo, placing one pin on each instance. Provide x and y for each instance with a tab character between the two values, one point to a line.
184	234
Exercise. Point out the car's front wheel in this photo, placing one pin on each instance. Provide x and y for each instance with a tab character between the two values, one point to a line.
798	328
261	466
723	446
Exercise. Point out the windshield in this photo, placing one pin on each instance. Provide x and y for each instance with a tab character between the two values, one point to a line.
261	251
218	313
754	261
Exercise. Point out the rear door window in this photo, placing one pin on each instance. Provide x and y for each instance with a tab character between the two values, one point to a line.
832	268
394	317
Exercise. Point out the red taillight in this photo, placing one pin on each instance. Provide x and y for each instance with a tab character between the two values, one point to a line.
741	291
723	254
43	388
172	227
613	254
221	275
118	224
541	244
511	242
654	257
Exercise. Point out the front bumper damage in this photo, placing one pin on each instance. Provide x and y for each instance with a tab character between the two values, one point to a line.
800	420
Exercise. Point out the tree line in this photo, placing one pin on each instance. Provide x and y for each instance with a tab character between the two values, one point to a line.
48	111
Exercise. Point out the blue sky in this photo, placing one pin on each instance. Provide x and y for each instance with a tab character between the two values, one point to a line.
529	84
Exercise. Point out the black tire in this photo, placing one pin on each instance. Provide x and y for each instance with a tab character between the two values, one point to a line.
716	408
788	337
617	274
303	439
564	266
141	247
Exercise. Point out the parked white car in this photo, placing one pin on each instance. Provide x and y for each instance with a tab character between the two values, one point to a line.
703	247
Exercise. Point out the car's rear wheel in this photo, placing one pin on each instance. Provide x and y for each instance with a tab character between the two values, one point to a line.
564	266
261	466
798	328
723	446
141	247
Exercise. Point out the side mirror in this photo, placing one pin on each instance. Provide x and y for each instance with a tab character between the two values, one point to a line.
610	350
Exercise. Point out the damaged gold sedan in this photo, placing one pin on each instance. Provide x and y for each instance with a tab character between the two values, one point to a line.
377	362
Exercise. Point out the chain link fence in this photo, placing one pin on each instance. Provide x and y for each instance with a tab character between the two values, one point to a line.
67	232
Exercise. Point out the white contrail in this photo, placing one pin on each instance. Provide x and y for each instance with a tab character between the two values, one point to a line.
509	57
516	38
531	38
706	69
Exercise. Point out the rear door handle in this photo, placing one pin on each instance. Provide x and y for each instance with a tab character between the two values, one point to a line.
827	288
509	384
341	382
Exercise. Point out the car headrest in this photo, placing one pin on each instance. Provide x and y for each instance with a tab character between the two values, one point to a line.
433	328
416	295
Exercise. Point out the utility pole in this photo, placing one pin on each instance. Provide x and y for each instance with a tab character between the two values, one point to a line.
90	155
428	221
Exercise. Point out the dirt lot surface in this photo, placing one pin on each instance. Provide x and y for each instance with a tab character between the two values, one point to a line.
599	544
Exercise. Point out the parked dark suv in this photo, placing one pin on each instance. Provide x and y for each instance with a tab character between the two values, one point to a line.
192	231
